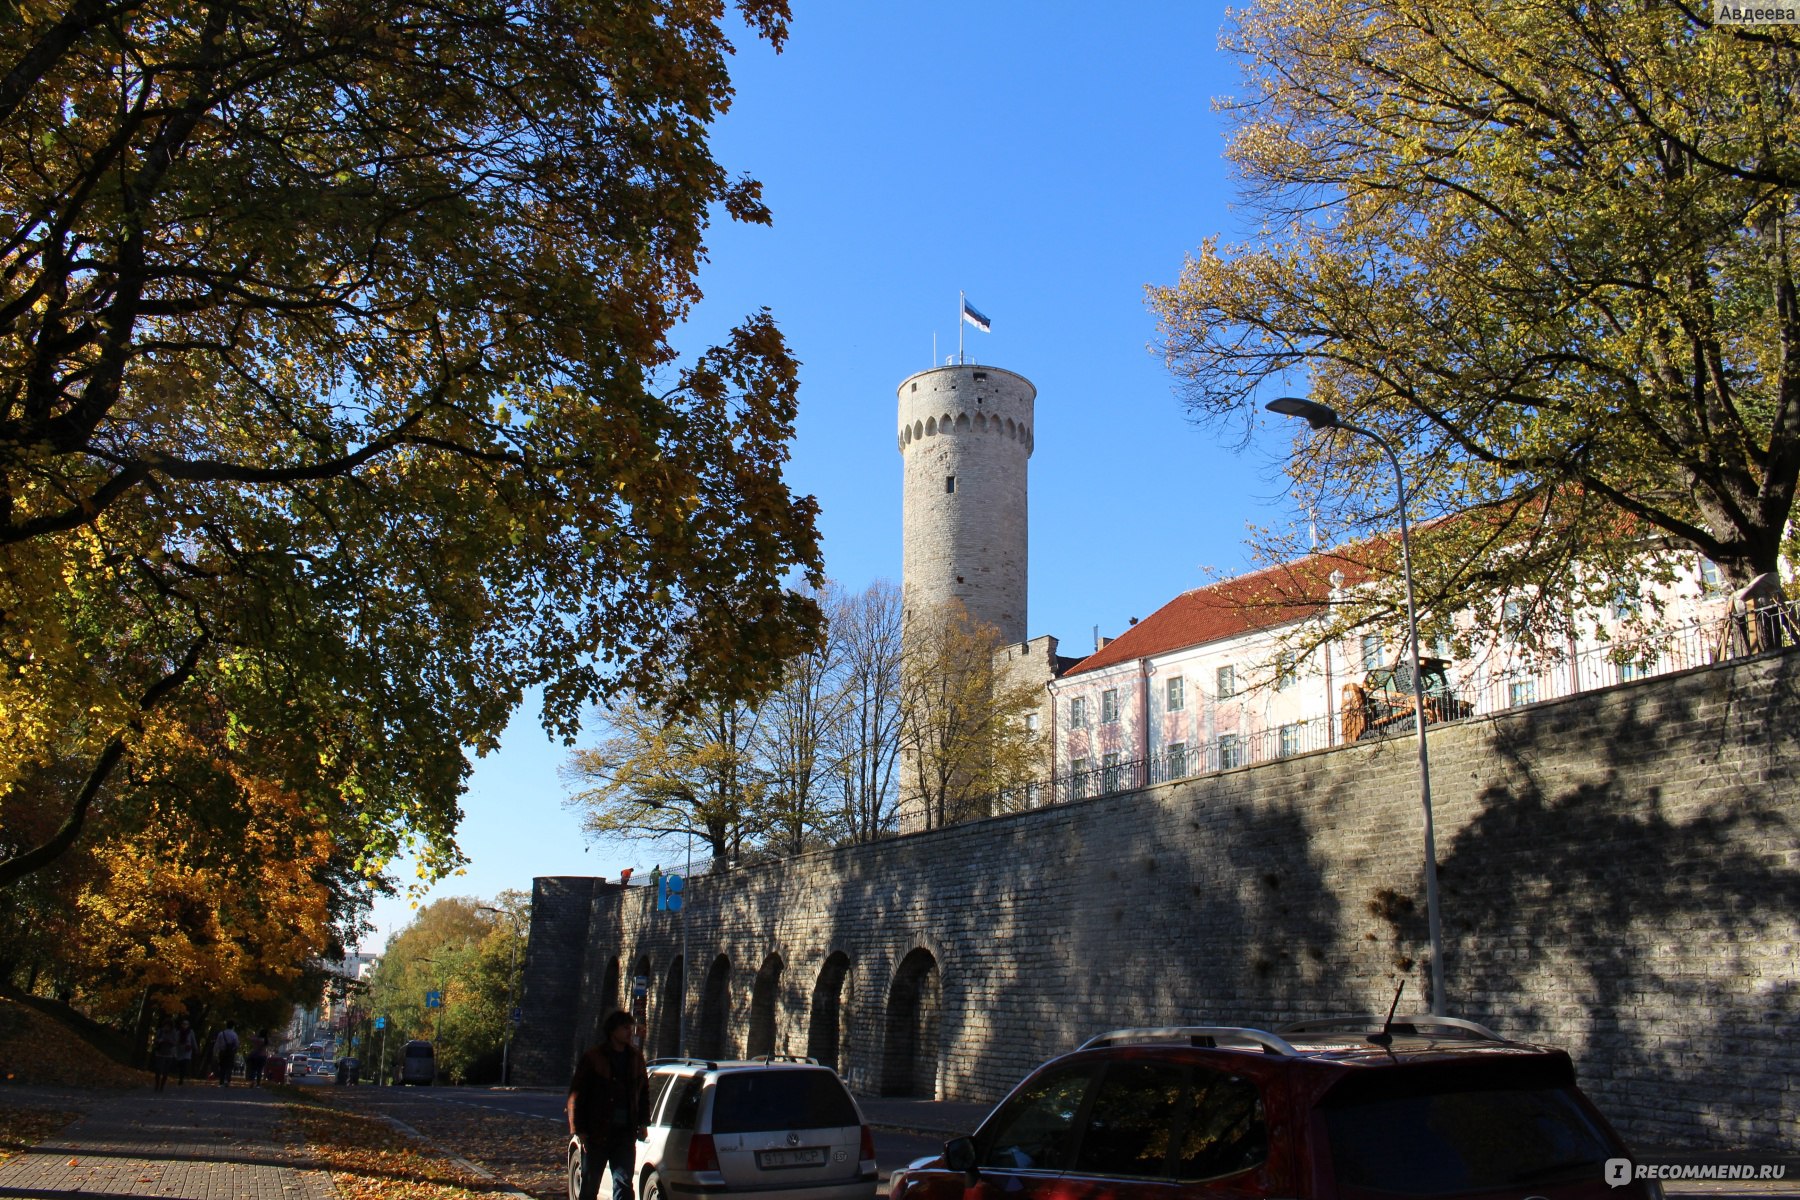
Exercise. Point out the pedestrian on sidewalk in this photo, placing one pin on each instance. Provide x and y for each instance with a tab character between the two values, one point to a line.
225	1048
256	1059
609	1108
162	1052
186	1046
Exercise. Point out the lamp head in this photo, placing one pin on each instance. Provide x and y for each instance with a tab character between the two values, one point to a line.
1313	413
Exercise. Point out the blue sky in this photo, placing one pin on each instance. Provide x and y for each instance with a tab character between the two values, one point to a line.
1049	159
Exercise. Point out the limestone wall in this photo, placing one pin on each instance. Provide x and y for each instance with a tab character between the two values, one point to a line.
1620	873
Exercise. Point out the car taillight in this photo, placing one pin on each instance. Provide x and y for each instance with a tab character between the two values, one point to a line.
868	1144
702	1154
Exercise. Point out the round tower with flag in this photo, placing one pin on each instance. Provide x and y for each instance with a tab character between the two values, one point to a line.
965	437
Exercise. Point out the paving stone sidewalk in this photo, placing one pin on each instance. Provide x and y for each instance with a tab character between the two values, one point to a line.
194	1143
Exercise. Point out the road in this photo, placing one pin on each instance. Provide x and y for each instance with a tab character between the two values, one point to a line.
433	1111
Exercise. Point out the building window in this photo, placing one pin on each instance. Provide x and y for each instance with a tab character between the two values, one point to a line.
1078	712
1624	605
1371	651
1110	776
1229	754
1031	722
1709	575
949	484
1289	743
1109	706
1177	695
1512	616
1227	683
1521	691
1078	777
1287	669
1176	757
1633	670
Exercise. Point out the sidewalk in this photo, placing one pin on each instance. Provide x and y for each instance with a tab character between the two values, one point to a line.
201	1142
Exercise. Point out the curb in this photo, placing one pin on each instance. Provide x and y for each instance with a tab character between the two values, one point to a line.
506	1188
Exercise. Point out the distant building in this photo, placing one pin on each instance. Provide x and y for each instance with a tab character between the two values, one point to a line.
1216	679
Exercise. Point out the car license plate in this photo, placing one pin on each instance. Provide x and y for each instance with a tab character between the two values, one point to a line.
809	1156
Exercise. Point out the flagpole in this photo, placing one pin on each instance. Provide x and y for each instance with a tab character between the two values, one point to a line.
961	300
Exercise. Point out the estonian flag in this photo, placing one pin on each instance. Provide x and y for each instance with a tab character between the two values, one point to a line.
975	318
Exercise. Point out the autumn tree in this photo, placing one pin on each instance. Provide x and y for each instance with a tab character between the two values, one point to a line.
966	750
658	774
204	889
335	378
1547	251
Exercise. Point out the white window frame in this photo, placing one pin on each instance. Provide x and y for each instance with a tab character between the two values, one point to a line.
1175	695
1231	751
1288	740
1077	712
1109	706
1373	652
1175	760
1225	679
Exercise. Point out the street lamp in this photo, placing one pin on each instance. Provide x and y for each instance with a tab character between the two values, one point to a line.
1321	417
512	977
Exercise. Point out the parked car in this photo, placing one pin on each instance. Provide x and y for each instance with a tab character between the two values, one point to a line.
1342	1109
418	1063
784	1128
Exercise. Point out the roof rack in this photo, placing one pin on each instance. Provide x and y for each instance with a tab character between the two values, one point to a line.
766	1059
1411	1023
1196	1035
676	1061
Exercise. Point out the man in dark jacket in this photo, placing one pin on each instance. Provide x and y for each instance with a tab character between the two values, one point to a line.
609	1108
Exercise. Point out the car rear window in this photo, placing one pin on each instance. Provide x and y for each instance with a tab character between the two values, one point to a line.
748	1101
1452	1142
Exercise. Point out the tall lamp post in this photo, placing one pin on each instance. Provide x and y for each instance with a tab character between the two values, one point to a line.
1320	416
512	979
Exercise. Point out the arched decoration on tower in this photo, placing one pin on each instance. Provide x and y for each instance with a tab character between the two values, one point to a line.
668	1014
765	1006
909	1057
715	1011
827	1037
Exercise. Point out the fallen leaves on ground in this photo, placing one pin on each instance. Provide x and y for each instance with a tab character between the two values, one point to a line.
22	1128
36	1049
527	1152
369	1159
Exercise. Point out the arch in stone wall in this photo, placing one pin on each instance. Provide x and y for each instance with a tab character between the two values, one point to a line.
629	999
668	1015
765	1002
909	1055
827	1039
710	1039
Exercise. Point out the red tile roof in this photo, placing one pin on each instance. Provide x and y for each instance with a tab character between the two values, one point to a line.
1278	595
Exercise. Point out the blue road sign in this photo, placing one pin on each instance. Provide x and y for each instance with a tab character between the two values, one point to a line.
434	999
381	1022
668	898
518	1014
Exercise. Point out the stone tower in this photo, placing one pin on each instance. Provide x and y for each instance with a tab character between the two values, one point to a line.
965	436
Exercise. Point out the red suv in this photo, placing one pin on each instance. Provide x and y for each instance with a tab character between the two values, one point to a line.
1343	1109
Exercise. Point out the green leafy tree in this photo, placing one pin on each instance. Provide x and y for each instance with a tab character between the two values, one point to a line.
1547	250
462	949
336	382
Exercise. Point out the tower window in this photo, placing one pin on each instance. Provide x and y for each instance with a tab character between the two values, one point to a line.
949	484
980	375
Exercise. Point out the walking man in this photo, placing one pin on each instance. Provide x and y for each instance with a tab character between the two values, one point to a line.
609	1108
225	1048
